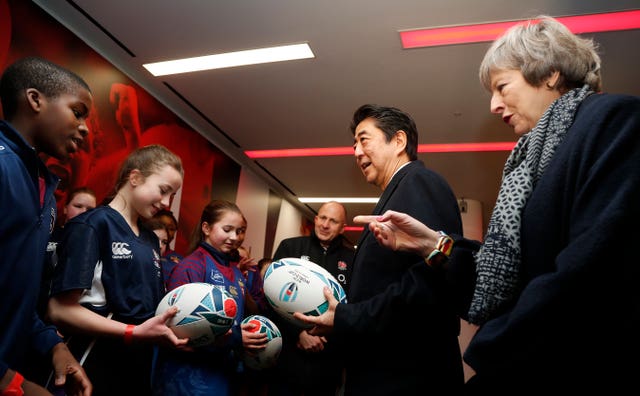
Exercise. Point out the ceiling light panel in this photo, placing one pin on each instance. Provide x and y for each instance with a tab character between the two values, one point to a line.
231	59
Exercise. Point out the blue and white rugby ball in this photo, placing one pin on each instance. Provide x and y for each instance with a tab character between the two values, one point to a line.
295	285
204	312
267	357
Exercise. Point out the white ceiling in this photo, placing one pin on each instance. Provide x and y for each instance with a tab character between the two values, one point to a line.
309	103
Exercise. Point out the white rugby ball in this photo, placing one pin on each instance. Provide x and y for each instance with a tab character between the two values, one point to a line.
295	285
204	312
268	356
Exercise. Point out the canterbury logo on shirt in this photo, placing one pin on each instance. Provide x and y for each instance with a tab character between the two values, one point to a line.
120	250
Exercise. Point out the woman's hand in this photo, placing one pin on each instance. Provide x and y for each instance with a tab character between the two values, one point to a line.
399	231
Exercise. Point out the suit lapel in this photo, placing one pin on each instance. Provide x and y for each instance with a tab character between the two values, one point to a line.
384	198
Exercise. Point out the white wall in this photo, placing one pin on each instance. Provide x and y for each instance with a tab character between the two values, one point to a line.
253	200
471	213
472	227
289	223
175	208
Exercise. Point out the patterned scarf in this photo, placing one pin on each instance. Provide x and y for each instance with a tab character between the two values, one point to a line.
498	261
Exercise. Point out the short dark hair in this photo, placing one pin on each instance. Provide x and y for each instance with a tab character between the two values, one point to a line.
167	213
389	120
79	190
34	72
154	224
265	261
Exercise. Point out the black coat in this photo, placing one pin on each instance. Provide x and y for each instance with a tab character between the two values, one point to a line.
402	340
574	325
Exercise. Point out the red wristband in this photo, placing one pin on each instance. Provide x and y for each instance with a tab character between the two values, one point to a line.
15	386
128	334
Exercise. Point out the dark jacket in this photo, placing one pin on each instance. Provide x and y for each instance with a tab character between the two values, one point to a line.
575	324
305	372
383	322
24	233
337	259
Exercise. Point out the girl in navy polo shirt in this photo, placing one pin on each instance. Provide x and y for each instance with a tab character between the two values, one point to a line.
108	280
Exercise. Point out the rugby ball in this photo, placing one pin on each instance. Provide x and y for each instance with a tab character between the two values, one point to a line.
204	312
295	285
268	356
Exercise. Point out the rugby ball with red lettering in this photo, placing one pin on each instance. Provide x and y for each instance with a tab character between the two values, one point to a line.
295	285
205	311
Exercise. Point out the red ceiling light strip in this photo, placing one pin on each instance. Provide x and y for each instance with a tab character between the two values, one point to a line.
465	147
623	20
453	35
422	148
303	152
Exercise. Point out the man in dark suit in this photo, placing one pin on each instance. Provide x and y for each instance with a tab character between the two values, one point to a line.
379	324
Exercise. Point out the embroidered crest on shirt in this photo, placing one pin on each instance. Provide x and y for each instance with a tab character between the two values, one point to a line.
156	263
120	251
217	277
233	291
52	223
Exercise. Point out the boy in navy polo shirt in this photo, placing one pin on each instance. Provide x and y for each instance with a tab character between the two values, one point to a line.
45	108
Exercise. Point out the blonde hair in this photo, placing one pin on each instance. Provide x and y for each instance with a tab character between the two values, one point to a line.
148	160
539	47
